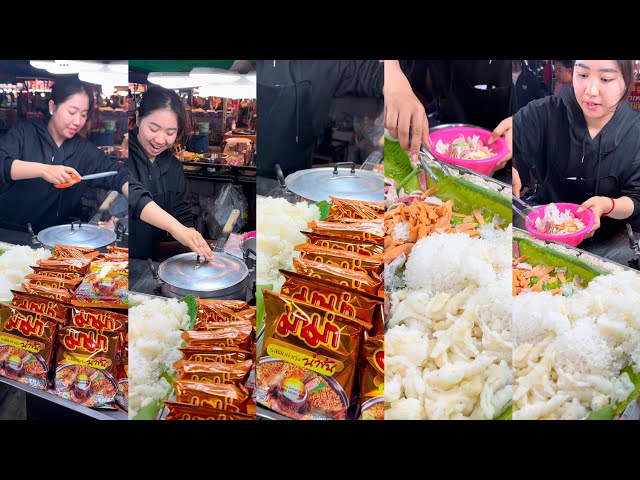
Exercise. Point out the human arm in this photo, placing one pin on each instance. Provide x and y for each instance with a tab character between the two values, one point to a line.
618	208
404	115
154	215
11	150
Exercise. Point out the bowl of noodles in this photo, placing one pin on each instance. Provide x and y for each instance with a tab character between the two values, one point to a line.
467	147
299	393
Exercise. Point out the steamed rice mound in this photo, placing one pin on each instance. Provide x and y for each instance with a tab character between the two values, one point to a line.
155	327
278	232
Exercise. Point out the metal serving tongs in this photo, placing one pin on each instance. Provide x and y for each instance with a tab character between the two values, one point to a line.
526	209
425	152
222	240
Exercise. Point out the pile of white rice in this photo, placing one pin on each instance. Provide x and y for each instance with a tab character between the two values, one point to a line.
448	344
278	232
154	337
570	350
15	264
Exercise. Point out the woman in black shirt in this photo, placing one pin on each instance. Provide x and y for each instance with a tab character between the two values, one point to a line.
158	201
36	155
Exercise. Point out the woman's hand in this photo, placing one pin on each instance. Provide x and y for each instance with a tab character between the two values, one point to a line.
404	115
505	130
191	238
598	205
57	174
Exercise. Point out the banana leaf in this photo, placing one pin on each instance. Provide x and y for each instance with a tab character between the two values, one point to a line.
324	207
539	255
506	415
612	411
397	165
468	197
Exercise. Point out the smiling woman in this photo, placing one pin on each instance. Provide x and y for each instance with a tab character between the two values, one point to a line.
37	155
158	201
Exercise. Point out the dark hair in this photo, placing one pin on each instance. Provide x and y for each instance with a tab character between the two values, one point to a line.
159	98
566	63
66	87
627	68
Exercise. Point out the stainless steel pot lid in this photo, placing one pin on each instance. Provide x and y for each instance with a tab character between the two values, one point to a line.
77	235
318	184
221	272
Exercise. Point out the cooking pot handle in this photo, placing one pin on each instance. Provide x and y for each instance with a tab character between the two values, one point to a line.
153	270
79	224
632	240
34	237
120	231
344	164
247	252
281	181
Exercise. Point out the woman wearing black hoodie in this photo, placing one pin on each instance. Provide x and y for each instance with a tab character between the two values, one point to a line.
36	155
584	143
158	200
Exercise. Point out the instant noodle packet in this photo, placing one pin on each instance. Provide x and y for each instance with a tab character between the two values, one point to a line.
308	365
322	293
346	245
215	372
349	278
372	379
233	398
86	366
348	260
187	411
363	231
27	341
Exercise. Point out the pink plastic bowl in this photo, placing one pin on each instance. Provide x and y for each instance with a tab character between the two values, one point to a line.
572	239
486	166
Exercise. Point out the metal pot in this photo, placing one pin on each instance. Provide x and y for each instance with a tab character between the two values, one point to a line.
215	158
225	277
78	234
317	184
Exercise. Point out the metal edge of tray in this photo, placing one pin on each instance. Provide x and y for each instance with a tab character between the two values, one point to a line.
263	413
95	413
465	171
